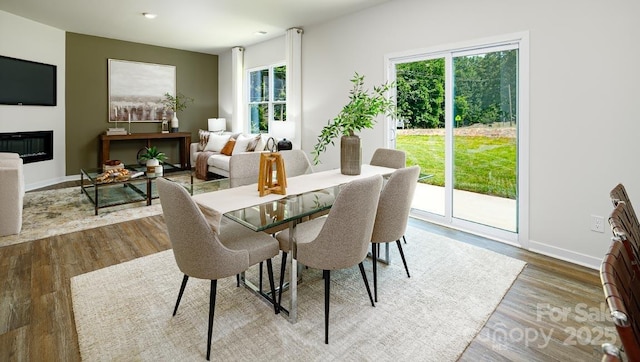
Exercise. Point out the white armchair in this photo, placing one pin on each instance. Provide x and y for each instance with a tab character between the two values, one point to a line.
11	193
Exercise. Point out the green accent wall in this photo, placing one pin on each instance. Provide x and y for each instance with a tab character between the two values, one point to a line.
87	59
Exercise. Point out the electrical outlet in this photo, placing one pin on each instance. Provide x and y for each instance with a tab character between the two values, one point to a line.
597	223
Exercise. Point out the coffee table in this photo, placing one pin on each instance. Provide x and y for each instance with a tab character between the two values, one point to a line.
114	191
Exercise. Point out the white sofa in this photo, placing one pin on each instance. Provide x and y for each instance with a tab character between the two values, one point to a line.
11	193
217	162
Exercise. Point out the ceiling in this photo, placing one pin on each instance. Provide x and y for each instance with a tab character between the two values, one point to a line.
205	26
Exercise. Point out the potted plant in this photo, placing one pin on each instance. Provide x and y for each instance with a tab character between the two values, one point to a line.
360	113
153	157
175	104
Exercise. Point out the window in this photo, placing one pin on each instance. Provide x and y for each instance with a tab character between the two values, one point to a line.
267	97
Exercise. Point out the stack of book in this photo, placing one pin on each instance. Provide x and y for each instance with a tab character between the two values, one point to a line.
116	131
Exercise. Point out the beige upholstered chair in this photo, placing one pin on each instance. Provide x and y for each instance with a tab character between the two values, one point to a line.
200	252
245	167
392	158
296	163
393	214
11	193
341	239
388	157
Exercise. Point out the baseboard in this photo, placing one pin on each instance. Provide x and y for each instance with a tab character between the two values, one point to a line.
564	254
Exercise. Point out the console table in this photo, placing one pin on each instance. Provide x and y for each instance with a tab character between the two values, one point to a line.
184	139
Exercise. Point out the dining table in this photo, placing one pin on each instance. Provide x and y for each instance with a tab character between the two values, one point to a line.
306	196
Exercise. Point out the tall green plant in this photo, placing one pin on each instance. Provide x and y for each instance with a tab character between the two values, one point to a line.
358	114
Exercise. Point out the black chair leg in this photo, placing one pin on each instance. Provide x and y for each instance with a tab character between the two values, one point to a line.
366	283
326	274
405	239
237	280
374	254
404	261
282	269
212	308
276	306
184	284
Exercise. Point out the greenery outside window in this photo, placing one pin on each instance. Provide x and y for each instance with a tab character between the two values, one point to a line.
267	97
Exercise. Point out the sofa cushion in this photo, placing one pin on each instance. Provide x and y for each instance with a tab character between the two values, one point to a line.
253	144
203	139
219	161
228	147
216	142
243	141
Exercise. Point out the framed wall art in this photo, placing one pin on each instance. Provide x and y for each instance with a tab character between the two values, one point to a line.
136	91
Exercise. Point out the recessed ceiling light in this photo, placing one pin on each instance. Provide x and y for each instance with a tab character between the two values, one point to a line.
149	15
261	32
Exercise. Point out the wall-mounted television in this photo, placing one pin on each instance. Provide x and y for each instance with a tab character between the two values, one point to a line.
23	82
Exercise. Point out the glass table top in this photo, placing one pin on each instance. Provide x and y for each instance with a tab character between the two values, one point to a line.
275	213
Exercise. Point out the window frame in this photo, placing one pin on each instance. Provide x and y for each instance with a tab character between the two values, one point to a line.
270	102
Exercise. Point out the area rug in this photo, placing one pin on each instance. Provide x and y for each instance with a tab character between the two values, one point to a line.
61	211
123	312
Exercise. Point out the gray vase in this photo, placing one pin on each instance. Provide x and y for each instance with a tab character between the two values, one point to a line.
350	155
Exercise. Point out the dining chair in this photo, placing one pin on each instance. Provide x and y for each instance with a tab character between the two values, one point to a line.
610	353
621	286
623	229
244	168
392	158
201	253
619	194
388	157
341	239
296	162
392	215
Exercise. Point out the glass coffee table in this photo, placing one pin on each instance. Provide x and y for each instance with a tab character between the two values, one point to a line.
133	185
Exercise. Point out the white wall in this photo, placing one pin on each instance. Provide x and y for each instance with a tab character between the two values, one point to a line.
584	126
26	39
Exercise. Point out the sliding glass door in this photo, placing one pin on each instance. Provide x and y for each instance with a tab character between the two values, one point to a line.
460	117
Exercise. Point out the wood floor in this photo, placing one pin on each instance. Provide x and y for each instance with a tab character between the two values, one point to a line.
549	298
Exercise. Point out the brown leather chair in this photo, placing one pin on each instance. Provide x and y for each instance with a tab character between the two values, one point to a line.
623	228
627	219
622	294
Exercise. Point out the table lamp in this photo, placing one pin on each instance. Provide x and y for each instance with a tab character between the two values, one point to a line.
284	131
217	124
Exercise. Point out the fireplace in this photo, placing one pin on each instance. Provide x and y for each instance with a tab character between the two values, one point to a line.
32	146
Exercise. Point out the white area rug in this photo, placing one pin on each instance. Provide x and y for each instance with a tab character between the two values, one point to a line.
123	312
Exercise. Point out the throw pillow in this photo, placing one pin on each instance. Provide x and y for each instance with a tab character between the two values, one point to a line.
204	138
216	142
253	143
228	147
242	142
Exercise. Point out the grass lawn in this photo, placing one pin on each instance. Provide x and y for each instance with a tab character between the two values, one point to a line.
482	164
